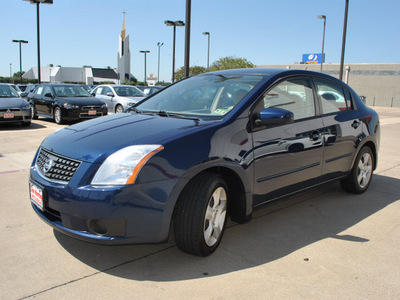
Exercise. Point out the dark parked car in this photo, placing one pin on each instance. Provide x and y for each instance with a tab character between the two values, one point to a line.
65	102
214	145
13	109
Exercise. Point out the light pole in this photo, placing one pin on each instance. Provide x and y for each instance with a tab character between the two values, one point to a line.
208	52
145	53
187	36
159	46
20	56
322	17
37	2
172	23
10	70
344	39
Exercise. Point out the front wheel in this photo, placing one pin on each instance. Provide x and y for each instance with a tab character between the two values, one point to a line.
360	177
119	109
200	214
58	115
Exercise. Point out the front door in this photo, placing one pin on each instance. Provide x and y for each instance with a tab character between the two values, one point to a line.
288	157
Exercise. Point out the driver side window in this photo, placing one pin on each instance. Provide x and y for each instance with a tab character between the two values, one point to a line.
294	95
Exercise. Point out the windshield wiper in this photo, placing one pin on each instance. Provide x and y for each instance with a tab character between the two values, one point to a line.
176	115
134	109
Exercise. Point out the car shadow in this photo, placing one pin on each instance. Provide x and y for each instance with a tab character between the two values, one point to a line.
275	231
18	126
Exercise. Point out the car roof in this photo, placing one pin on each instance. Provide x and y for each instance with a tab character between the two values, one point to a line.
272	73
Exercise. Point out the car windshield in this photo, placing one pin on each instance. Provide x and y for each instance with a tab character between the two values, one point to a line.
7	92
128	91
70	91
208	97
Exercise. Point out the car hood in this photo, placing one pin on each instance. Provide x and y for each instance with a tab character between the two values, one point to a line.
81	100
94	140
12	103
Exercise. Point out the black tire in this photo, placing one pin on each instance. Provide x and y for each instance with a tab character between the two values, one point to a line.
119	109
33	112
200	214
58	118
360	177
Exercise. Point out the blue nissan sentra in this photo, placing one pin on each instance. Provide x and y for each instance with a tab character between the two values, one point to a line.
211	146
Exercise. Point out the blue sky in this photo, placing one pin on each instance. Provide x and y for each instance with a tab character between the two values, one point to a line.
85	32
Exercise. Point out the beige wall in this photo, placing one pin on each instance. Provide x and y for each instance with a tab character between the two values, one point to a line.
380	83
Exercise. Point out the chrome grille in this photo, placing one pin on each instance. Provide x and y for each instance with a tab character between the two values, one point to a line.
56	167
9	109
90	107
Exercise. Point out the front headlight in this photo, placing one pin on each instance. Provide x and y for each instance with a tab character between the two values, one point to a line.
131	103
123	166
27	107
70	106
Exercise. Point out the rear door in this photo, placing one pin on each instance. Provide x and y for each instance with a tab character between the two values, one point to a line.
48	100
288	157
37	98
342	128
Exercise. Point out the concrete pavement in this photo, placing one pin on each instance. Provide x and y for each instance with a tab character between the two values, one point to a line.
322	244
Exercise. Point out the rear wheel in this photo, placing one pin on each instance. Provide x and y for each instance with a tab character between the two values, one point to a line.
360	177
58	115
200	215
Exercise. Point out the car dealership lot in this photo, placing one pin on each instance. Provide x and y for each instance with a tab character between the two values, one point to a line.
322	244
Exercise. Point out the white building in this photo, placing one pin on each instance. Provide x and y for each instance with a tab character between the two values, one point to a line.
86	74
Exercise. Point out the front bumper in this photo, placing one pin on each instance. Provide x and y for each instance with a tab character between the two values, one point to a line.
132	214
18	116
82	113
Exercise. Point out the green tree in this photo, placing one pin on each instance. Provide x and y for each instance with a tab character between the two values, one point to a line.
231	62
180	74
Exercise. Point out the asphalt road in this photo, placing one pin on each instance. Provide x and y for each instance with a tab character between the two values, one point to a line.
324	244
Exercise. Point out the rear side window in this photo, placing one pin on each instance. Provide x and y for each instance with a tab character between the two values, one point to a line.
333	97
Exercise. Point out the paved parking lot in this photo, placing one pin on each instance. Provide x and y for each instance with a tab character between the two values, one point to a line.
324	244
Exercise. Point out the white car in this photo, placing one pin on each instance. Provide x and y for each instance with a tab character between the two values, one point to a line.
118	97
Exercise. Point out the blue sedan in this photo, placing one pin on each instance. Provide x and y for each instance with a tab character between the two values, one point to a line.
215	145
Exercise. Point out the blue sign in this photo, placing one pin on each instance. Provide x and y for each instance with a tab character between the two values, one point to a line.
312	58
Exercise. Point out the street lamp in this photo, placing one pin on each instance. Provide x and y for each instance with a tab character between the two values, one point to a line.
37	2
172	23
344	39
159	46
145	53
322	17
20	56
208	52
10	70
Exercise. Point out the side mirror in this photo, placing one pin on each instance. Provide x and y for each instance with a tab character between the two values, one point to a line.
49	95
274	116
24	95
110	94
